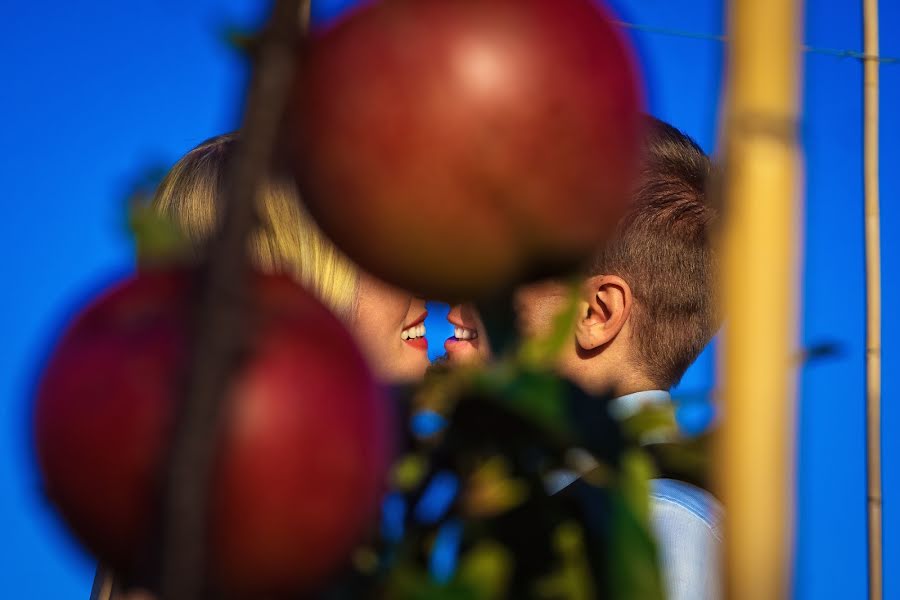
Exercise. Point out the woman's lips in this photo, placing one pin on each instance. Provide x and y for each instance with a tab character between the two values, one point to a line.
420	319
418	343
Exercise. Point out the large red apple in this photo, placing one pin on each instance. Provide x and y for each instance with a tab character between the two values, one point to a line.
454	146
302	455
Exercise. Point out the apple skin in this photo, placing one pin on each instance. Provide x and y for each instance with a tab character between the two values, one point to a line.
455	147
302	455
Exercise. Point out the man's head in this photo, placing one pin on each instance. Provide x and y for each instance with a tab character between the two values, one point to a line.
648	305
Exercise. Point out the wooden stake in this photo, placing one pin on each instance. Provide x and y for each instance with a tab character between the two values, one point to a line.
754	458
873	295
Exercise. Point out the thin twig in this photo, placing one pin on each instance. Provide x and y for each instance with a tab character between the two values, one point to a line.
221	318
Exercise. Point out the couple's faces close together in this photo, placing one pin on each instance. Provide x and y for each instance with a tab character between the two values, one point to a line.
389	325
535	306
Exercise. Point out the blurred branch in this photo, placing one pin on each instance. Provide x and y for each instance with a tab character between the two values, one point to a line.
221	314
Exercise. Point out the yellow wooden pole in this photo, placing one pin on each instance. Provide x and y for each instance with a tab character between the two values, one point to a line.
873	295
754	459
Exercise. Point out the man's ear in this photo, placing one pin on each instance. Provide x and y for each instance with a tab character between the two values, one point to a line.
604	310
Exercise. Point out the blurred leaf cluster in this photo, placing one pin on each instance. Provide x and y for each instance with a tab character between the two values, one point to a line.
514	483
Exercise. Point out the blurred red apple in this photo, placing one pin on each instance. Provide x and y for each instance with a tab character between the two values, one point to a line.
302	456
454	146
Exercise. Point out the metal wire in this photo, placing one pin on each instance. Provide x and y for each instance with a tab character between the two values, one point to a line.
694	35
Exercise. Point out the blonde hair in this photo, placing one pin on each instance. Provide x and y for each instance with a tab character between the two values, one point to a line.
286	239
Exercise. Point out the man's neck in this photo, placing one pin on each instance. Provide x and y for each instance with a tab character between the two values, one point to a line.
609	372
617	384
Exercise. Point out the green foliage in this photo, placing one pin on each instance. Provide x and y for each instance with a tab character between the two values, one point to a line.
633	564
486	569
158	241
245	43
509	429
539	352
499	526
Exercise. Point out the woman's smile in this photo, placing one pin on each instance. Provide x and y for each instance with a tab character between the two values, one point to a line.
390	327
414	333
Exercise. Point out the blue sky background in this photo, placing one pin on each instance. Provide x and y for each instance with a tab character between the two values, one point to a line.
94	93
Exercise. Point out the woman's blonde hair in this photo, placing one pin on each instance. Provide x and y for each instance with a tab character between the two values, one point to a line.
286	240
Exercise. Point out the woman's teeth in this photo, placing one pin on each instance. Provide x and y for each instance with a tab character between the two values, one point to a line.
411	333
461	333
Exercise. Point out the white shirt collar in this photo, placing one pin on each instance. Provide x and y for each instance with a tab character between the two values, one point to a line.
630	404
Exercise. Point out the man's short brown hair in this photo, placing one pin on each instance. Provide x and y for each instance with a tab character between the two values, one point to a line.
664	250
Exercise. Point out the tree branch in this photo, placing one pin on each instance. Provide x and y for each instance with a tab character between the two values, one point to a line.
221	317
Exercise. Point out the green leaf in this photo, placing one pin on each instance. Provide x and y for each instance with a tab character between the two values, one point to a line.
687	459
487	569
499	320
158	241
637	471
409	583
652	424
409	471
245	42
491	489
634	566
574	581
539	397
541	352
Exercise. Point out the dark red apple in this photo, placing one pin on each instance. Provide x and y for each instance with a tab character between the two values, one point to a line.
454	146
302	456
